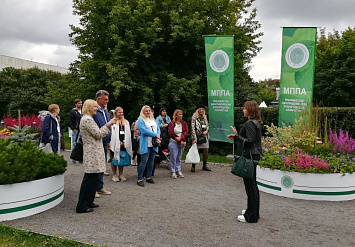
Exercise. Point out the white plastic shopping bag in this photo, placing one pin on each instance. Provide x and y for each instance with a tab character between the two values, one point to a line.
192	156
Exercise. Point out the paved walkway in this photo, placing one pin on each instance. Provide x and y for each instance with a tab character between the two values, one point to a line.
198	210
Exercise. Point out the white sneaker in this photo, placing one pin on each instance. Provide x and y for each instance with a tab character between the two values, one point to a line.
173	175
180	175
241	218
115	178
243	211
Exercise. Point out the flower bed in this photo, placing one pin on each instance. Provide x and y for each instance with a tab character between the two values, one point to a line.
24	199
296	163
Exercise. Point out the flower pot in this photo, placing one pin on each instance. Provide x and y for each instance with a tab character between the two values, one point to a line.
24	199
307	186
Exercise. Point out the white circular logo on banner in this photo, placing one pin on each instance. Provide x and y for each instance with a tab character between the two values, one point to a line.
219	61
297	55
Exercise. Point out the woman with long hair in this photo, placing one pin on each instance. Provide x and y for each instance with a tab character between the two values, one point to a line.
94	156
178	132
199	130
148	143
250	134
120	145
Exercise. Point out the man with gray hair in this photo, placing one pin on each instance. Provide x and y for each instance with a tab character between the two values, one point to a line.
101	118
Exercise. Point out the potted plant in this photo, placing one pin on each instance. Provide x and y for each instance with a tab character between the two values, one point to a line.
298	164
31	181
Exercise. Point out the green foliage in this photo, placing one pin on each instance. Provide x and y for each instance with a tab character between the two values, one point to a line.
11	236
64	91
21	135
245	90
26	162
152	51
266	93
24	89
290	137
334	81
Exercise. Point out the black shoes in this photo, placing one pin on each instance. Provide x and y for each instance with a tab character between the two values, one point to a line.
150	180
94	205
89	210
193	168
140	183
205	168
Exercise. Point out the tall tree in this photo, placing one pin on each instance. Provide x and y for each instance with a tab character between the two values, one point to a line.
152	51
334	82
24	90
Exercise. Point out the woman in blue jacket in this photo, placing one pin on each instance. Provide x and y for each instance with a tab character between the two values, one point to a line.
148	129
51	129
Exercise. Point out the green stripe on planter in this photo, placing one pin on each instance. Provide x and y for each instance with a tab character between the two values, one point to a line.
34	205
269	186
325	193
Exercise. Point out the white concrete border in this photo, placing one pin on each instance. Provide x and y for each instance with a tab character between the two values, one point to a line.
307	186
29	198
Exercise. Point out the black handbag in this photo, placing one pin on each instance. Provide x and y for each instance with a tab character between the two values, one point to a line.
242	166
135	143
78	151
201	139
154	140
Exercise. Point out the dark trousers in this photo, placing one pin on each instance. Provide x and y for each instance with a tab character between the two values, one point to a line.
87	192
252	191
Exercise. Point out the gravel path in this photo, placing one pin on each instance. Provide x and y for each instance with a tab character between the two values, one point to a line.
198	210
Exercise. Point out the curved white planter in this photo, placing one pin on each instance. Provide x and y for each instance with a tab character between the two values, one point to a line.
29	198
308	186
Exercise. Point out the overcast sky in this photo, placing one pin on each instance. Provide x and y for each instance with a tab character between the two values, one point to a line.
38	30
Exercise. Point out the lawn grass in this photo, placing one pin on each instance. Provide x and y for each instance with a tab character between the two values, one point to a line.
67	140
12	237
212	158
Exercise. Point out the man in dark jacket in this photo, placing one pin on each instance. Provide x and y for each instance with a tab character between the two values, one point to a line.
74	121
101	118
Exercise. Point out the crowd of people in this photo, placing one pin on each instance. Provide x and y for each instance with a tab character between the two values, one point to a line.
109	137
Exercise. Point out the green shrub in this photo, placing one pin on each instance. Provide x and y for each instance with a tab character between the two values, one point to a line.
26	163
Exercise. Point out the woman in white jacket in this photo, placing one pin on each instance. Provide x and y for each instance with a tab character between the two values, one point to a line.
121	145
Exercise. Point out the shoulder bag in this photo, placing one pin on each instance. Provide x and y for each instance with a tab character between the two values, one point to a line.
242	166
154	140
201	139
125	159
46	147
78	151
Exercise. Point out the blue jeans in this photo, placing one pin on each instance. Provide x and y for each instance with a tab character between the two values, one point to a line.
147	159
175	156
73	137
100	183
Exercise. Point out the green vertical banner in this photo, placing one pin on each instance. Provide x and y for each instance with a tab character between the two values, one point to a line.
297	73
220	85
